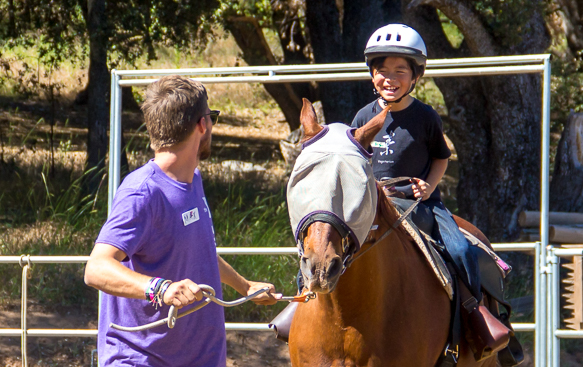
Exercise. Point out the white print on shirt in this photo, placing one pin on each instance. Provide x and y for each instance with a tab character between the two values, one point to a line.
208	210
388	142
190	216
385	162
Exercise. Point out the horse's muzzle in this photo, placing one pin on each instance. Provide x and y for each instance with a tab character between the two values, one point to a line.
321	275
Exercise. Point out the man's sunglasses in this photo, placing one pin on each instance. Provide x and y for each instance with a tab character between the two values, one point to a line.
214	114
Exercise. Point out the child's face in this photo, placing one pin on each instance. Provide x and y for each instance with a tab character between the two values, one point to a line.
393	78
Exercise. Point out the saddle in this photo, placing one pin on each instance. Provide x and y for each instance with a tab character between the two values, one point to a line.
491	337
487	330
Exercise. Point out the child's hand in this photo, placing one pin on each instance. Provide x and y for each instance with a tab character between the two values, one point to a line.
421	189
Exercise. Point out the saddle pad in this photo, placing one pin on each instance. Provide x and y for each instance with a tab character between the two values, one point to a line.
431	255
492	280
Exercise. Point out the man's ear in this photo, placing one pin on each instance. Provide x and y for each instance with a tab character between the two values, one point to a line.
201	124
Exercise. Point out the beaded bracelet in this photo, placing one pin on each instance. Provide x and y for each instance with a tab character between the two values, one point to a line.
155	291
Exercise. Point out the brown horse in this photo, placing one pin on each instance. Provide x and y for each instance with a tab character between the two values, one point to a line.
386	309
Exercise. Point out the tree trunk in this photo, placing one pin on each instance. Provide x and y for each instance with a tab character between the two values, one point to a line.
566	190
494	121
256	51
336	40
570	23
98	91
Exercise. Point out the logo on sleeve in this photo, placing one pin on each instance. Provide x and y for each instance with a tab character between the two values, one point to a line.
190	216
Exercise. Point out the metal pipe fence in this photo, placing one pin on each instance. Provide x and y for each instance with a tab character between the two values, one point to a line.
500	65
545	267
27	261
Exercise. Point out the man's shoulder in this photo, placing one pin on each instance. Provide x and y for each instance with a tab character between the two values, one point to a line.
139	182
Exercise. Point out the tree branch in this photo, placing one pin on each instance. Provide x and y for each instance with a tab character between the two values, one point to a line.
477	37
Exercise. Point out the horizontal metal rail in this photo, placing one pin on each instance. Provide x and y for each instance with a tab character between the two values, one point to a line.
349	76
344	67
40	259
47	259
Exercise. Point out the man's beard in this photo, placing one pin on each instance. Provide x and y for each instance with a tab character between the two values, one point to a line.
204	152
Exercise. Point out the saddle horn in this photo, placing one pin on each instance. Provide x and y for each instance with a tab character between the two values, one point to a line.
309	121
366	133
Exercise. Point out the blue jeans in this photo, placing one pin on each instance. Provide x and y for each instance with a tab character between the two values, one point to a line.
457	247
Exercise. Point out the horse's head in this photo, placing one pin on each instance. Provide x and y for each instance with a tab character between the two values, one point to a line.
332	196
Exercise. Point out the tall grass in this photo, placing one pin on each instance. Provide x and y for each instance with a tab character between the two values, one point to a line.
44	215
245	216
47	215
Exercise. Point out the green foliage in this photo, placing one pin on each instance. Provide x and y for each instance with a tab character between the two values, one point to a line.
452	32
566	87
508	21
53	28
141	25
259	9
56	31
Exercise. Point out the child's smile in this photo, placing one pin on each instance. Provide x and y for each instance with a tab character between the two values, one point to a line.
393	78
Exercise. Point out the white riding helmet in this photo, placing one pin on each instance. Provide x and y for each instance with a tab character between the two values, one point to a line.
397	40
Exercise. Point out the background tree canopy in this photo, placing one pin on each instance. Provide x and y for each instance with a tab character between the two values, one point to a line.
494	122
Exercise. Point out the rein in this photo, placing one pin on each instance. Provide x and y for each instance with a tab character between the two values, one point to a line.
386	183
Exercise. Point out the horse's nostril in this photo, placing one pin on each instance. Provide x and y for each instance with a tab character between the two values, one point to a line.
334	267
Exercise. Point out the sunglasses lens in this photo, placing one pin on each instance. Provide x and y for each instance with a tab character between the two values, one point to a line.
214	115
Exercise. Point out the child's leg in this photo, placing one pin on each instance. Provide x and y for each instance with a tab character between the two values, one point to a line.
457	247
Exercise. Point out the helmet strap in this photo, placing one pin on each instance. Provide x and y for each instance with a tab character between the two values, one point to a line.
401	98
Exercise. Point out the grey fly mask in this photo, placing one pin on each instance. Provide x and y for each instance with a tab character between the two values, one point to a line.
332	181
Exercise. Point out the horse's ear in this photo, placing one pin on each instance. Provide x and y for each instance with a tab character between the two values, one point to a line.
366	133
309	121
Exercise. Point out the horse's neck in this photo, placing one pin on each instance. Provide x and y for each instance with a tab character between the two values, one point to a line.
377	275
391	269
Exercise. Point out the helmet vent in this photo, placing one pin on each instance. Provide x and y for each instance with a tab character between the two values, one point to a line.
388	36
398	37
378	38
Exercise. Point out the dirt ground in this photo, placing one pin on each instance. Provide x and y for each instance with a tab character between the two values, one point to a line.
243	348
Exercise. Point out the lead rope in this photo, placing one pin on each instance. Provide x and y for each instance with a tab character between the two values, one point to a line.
209	293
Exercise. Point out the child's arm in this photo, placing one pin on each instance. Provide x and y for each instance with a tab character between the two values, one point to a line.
425	188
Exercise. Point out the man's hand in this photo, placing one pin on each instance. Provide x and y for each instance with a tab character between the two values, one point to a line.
421	189
182	293
268	298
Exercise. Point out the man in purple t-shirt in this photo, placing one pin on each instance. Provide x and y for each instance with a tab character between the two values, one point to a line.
159	242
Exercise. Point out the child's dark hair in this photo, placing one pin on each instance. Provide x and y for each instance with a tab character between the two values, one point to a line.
417	70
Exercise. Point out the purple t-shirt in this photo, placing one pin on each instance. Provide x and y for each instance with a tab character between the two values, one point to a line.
165	229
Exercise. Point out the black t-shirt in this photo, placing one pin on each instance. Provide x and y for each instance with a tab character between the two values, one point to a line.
407	143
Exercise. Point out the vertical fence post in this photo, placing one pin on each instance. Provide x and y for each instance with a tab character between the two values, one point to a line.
542	337
114	138
554	301
539	345
112	117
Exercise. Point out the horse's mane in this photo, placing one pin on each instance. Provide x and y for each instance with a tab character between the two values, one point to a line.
387	210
